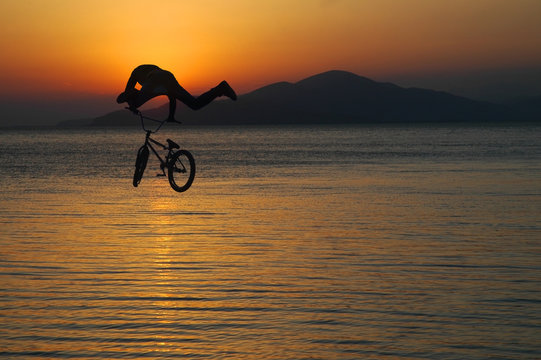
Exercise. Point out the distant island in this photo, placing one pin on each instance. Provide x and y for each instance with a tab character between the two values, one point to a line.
335	97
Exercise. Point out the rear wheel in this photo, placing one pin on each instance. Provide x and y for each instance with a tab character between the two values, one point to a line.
140	164
181	170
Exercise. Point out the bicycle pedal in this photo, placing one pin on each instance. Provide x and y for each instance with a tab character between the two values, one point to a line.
159	174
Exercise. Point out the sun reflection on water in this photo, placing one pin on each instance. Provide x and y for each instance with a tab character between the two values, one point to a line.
358	257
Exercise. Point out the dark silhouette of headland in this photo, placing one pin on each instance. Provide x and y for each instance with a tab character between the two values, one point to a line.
336	97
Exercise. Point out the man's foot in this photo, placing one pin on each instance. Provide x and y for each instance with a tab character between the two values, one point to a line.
228	90
173	120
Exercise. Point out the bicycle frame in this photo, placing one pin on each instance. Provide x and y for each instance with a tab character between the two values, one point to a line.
149	141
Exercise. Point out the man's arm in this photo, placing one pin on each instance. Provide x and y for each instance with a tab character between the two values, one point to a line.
139	75
132	81
129	91
172	108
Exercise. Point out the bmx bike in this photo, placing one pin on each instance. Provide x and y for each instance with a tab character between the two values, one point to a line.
180	164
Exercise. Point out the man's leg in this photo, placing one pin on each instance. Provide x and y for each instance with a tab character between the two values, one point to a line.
202	100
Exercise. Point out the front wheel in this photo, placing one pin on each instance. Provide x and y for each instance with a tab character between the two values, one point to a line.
181	170
140	164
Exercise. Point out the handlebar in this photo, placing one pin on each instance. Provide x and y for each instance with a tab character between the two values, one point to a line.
161	122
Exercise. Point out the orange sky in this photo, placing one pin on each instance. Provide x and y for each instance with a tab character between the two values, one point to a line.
91	46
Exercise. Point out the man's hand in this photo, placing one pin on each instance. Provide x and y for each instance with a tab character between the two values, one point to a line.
133	110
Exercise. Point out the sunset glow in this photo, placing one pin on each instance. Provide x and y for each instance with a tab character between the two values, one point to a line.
270	179
91	46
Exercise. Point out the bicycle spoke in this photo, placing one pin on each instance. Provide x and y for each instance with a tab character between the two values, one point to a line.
182	168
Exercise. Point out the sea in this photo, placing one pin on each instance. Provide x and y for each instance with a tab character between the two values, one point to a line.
410	241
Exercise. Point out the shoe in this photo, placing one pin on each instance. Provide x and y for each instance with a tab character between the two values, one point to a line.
228	90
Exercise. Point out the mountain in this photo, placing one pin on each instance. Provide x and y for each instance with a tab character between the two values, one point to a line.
528	108
330	98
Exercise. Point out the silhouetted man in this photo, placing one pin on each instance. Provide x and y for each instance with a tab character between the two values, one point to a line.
155	82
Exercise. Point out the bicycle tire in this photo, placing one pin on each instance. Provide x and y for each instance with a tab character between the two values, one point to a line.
181	170
140	164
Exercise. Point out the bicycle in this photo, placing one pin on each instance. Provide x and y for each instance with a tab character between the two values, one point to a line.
180	164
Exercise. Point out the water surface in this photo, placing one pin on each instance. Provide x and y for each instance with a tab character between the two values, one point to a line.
387	242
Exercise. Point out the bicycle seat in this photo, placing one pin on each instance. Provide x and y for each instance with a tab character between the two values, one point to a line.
172	144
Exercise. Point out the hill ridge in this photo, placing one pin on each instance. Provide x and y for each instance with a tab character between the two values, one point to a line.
332	97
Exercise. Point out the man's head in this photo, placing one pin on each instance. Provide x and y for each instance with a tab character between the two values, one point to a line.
126	96
123	97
